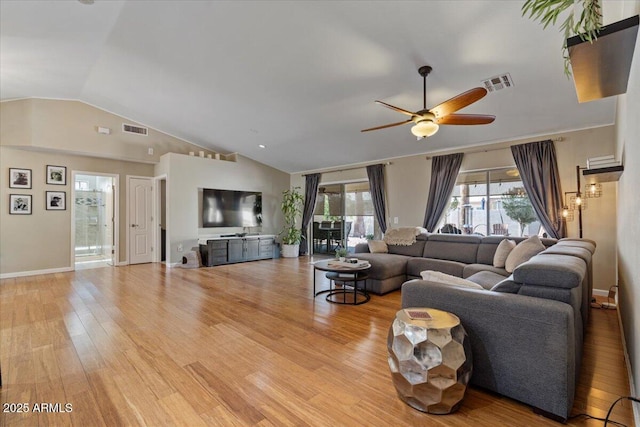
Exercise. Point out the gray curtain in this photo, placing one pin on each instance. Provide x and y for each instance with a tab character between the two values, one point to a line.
536	162
310	195
376	187
444	172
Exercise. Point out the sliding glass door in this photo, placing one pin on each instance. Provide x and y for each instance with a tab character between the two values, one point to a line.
343	217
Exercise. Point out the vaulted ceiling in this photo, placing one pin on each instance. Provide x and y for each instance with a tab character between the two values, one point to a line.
298	77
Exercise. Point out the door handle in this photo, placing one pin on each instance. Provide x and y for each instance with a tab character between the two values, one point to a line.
134	225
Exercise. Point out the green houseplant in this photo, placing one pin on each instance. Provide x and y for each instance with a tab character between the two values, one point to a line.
587	25
292	202
341	253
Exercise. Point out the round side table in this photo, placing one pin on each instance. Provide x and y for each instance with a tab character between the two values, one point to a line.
430	359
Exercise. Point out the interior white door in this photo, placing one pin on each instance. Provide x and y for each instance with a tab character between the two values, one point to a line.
140	220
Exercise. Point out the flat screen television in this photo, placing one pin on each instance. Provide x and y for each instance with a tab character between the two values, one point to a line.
229	208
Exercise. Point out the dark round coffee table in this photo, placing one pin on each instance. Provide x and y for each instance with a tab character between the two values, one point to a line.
348	277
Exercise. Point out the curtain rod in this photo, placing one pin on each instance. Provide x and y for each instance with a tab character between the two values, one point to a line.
348	169
480	150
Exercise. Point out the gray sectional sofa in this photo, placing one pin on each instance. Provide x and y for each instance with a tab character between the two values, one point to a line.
526	329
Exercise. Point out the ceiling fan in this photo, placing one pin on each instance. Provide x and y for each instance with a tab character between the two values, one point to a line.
427	121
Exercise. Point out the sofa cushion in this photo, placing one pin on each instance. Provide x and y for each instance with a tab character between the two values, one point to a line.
523	252
384	266
416	265
486	279
507	286
414	249
471	269
550	270
576	251
590	245
378	247
452	247
502	252
447	279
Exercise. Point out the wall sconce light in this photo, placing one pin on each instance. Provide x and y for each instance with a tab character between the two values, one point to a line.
578	201
567	214
593	190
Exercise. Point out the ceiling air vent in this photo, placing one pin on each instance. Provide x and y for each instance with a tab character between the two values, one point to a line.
138	130
503	81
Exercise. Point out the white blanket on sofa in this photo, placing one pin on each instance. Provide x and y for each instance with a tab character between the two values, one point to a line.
404	236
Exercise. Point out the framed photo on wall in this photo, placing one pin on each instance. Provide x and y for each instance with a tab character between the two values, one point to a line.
56	200
19	178
20	204
56	175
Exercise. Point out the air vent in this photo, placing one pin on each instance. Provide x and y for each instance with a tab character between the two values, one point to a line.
503	81
138	130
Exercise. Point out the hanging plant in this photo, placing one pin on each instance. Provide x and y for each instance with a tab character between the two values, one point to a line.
587	26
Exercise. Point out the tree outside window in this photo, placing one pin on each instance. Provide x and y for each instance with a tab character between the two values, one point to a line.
517	206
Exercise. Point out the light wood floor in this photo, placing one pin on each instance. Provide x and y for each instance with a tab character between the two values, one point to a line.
244	344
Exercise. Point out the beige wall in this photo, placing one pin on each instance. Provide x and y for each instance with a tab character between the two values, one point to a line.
186	175
408	179
71	126
628	231
42	240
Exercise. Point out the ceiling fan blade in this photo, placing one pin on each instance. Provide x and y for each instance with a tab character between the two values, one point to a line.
387	126
399	110
457	102
466	119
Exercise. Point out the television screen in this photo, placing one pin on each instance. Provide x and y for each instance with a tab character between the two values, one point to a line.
228	208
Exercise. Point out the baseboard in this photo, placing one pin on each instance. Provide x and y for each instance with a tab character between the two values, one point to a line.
632	388
601	292
35	272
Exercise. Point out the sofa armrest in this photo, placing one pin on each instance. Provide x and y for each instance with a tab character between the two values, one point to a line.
523	347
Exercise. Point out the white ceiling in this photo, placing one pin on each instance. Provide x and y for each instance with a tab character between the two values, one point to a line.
299	77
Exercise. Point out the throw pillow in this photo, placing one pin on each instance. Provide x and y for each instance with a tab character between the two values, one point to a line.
502	252
523	252
378	247
447	279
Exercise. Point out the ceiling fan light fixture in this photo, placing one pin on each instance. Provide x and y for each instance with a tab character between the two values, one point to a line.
424	128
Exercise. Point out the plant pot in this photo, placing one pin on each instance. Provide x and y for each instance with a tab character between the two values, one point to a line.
290	251
341	259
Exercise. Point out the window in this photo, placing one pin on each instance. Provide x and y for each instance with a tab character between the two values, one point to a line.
491	202
343	217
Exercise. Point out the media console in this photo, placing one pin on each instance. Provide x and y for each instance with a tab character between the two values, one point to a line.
232	249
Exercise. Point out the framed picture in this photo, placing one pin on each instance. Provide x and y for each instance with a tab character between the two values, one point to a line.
56	175
56	200
19	178
19	204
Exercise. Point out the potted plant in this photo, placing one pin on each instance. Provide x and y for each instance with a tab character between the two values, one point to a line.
292	202
341	254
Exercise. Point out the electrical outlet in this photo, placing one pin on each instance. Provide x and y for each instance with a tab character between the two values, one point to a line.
180	247
395	219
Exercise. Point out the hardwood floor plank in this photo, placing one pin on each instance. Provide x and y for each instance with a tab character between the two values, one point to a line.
236	345
113	405
52	392
226	393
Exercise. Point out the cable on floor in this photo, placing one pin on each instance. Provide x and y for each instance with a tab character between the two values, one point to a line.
607	420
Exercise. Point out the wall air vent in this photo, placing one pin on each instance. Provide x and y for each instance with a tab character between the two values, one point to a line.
503	81
138	130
